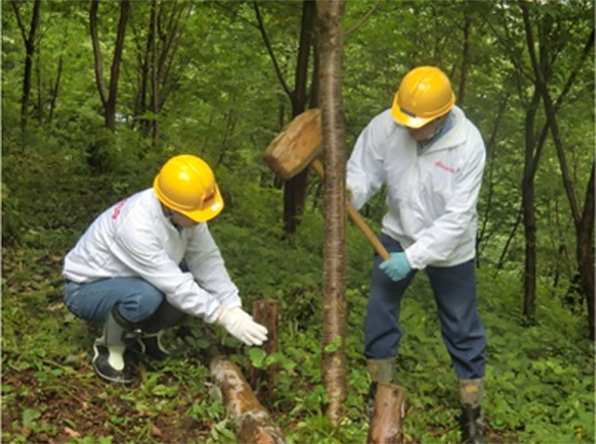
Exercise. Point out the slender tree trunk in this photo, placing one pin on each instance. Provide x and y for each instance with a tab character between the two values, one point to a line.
29	39
154	74
461	93
585	251
108	96
295	189
529	216
581	218
330	15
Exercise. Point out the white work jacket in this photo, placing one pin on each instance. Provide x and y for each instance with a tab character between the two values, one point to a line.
431	197
135	238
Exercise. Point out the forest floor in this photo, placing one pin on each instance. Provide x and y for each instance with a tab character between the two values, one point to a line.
50	393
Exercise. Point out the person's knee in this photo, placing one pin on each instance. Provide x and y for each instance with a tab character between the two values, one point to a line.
145	301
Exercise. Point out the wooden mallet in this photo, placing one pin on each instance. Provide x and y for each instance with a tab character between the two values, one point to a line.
297	147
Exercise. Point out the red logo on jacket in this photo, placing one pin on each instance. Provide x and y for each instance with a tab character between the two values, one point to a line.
443	166
117	209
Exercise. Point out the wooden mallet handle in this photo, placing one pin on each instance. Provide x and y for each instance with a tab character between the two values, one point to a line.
355	216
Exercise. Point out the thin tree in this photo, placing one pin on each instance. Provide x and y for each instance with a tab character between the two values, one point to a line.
108	96
583	218
330	15
294	189
29	39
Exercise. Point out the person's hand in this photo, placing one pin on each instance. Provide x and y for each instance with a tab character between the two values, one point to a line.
240	325
397	266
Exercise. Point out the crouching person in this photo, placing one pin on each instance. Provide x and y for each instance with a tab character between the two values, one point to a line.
147	262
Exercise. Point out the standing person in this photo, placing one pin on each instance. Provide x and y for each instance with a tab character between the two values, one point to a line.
431	158
148	261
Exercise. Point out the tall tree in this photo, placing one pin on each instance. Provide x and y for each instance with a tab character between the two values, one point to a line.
108	96
583	219
295	188
330	14
29	39
156	53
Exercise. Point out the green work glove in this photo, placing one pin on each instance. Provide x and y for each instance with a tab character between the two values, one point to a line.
397	266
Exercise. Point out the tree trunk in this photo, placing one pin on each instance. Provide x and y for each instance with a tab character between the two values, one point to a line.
295	189
585	251
461	92
108	97
330	15
528	211
581	218
29	39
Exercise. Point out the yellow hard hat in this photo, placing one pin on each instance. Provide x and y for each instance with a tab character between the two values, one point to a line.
424	94
186	184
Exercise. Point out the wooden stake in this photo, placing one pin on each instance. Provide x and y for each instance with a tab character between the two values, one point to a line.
386	425
266	313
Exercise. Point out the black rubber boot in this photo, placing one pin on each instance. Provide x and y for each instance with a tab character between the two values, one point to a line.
150	345
149	341
471	425
471	392
108	350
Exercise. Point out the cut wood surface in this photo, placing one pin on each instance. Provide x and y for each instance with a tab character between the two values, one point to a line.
296	146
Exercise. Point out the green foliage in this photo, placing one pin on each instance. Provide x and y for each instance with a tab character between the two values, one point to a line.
223	101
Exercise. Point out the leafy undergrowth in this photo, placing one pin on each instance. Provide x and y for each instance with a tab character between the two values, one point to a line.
540	384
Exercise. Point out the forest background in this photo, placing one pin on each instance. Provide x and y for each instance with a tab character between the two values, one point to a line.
97	95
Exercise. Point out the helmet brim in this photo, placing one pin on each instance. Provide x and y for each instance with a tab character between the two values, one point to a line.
208	213
408	121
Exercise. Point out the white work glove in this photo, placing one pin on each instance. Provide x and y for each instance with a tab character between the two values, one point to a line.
240	324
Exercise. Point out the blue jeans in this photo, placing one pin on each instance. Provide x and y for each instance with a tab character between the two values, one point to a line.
455	295
136	298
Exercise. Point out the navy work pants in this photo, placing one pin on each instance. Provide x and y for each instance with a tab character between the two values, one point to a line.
455	295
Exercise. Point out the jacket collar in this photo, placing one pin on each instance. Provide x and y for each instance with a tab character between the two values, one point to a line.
456	135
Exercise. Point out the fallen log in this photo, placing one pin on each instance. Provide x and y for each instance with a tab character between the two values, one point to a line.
386	424
252	422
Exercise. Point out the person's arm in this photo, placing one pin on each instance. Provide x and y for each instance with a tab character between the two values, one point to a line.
441	238
365	171
206	264
139	249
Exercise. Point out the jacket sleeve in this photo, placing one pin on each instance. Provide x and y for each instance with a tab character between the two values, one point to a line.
207	266
365	171
139	249
444	235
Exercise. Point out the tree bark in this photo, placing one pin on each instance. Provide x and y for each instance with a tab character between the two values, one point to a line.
295	189
29	39
461	92
330	15
252	422
386	424
585	251
266	313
